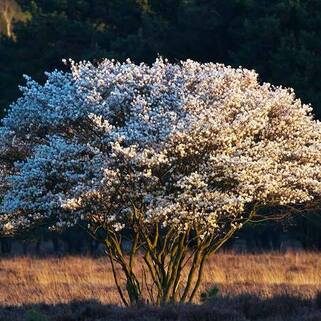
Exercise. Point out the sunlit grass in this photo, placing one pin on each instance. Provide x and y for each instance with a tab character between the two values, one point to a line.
26	280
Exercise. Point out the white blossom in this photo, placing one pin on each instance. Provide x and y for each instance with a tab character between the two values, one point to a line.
186	144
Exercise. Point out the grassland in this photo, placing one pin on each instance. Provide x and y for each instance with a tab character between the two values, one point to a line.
273	286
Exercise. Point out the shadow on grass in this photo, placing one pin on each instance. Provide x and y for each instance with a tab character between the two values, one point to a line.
242	308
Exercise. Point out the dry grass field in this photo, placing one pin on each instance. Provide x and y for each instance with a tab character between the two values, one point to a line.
57	283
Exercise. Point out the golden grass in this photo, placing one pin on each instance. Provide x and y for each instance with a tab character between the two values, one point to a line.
61	280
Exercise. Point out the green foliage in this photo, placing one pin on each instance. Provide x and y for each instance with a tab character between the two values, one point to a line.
278	38
34	315
209	294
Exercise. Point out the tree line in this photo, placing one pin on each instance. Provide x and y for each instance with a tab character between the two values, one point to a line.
278	38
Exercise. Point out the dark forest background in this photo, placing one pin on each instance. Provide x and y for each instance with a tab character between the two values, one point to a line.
280	39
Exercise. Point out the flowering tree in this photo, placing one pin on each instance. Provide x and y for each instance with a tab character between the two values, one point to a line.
178	156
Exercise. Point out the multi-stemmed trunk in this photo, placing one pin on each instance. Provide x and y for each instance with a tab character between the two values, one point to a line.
170	264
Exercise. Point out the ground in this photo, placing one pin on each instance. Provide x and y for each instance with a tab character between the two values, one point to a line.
269	287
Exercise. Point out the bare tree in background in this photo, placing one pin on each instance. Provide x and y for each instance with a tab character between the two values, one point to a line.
10	11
